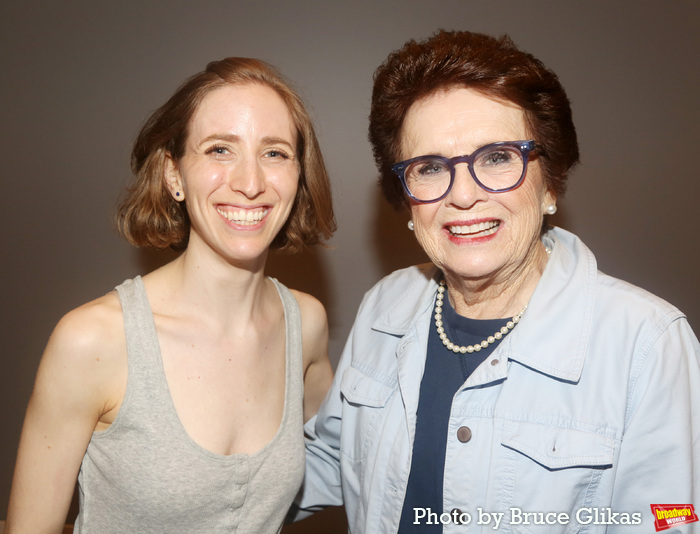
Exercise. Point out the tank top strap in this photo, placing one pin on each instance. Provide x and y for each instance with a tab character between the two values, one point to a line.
146	377
141	339
292	319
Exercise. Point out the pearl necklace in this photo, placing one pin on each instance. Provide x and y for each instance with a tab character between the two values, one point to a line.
469	348
486	342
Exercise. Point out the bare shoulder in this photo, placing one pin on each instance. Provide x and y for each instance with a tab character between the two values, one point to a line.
313	315
85	358
318	373
314	329
95	327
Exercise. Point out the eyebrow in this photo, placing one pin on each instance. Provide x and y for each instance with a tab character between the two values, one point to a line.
231	138
277	141
220	137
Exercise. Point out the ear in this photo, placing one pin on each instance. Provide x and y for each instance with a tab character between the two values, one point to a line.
549	200
173	179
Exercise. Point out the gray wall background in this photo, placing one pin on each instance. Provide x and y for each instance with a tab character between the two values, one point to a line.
79	78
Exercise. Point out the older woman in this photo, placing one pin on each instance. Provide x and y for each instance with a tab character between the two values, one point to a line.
508	384
178	400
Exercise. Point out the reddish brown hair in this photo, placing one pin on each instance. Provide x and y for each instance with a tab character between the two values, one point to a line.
149	216
494	67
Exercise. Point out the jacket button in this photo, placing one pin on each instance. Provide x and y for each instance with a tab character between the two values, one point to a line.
457	516
464	434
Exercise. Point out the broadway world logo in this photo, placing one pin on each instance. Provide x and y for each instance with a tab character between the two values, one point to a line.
672	515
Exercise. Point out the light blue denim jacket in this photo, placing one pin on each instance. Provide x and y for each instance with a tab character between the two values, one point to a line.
589	407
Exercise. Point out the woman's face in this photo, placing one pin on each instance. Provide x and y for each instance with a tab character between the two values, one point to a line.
239	172
471	233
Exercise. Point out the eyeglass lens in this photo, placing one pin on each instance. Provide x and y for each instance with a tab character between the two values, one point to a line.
495	167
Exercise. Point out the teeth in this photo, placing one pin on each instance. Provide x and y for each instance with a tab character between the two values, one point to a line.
244	217
484	228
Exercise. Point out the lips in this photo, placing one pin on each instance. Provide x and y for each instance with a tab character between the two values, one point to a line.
480	229
242	216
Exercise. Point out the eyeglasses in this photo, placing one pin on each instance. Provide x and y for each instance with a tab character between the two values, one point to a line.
497	168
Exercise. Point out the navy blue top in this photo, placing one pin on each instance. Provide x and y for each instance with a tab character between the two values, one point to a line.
445	373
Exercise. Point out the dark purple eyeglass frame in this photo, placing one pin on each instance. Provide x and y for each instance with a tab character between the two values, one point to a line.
525	147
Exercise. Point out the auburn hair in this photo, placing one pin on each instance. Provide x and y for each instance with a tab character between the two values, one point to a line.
493	66
149	216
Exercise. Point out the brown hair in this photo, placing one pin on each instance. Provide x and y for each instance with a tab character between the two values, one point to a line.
494	67
149	216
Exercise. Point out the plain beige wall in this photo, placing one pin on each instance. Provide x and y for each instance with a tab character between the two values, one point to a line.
79	78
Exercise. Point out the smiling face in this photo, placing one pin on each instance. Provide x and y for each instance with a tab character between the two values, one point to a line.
472	234
239	172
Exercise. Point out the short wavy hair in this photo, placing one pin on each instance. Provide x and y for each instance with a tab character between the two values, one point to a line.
149	216
493	66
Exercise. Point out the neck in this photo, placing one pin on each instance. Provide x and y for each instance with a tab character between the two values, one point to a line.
202	285
500	295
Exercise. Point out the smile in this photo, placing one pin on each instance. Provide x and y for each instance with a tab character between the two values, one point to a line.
475	230
244	217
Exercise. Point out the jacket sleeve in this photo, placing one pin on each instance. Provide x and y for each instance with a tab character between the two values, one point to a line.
659	460
322	480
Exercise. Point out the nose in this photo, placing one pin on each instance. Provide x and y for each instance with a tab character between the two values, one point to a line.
248	177
465	192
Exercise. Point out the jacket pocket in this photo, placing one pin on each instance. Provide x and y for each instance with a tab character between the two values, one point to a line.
560	448
360	389
548	468
364	401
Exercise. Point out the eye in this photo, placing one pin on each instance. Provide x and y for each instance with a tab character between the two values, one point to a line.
275	155
218	150
495	157
503	156
429	168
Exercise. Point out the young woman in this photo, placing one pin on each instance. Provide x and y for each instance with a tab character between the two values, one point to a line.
178	400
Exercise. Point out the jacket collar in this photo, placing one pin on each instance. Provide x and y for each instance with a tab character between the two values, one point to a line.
552	336
400	316
554	332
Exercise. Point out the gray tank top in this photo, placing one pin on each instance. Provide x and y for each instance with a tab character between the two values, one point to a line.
144	474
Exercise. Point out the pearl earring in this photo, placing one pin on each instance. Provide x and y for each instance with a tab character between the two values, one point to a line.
410	225
551	209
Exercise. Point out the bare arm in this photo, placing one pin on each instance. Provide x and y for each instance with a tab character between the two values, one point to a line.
318	373
77	377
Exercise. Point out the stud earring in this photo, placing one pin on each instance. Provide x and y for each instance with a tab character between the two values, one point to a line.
410	225
551	209
177	193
